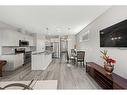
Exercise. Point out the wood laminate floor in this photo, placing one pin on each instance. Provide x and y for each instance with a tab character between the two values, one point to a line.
69	76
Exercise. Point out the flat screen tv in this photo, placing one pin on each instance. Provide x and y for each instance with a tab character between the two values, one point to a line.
114	36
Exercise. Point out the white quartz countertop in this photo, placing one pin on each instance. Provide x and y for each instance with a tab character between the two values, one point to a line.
12	54
39	53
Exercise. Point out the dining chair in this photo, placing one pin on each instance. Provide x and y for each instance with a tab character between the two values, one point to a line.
81	57
72	51
72	55
70	58
67	56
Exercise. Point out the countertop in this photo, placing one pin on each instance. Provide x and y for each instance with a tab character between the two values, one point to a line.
39	53
33	53
12	54
16	53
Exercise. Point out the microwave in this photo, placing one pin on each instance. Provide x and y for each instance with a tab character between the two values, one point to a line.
23	43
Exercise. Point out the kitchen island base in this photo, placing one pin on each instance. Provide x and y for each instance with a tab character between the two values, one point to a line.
40	61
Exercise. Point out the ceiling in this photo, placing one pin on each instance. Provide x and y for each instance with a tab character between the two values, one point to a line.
51	20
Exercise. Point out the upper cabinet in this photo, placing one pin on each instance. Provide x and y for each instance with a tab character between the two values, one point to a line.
29	39
11	38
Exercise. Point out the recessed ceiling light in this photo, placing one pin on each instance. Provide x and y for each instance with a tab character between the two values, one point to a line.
119	37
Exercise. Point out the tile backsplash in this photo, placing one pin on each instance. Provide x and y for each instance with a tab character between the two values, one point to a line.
8	49
11	49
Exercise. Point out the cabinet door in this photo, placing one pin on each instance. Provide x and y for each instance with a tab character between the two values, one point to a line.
5	38
18	61
1	38
30	41
10	38
15	39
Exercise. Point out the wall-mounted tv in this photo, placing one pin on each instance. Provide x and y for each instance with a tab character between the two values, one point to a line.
114	36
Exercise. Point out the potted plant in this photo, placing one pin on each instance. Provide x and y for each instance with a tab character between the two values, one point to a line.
108	62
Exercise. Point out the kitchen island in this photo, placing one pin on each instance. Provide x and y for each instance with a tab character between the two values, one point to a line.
41	60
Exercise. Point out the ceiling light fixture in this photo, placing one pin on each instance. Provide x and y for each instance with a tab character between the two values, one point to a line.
68	34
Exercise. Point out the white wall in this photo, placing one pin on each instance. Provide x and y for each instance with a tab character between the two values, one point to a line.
92	46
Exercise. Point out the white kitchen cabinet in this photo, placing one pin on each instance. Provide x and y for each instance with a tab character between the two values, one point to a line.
19	61
13	61
30	39
27	38
11	38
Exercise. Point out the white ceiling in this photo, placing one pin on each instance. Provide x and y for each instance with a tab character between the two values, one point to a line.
60	20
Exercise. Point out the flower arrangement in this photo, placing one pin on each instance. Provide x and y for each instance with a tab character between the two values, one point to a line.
107	59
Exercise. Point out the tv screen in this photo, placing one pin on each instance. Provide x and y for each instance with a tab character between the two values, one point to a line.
114	36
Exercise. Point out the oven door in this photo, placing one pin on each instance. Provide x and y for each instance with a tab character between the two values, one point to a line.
27	58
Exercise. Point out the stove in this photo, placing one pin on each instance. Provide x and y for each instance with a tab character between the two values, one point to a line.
27	55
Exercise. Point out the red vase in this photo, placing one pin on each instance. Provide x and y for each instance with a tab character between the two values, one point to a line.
109	69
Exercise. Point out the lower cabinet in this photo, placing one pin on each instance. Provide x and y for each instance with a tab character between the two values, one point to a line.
13	61
41	61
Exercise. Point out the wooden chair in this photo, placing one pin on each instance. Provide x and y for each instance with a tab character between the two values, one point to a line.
80	57
70	58
72	51
67	57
